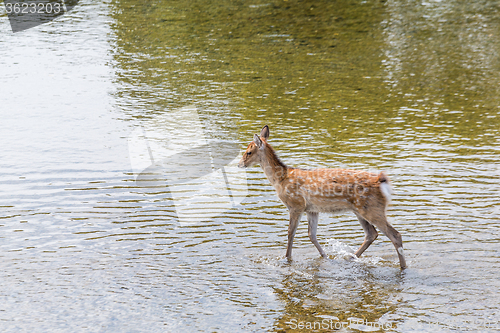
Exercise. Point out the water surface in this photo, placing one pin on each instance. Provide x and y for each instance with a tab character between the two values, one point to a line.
412	89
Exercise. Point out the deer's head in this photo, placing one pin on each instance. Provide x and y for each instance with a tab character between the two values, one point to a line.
255	151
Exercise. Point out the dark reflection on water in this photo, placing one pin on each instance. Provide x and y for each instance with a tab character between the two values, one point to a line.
406	87
333	295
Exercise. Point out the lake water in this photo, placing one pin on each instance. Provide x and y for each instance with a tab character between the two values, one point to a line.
410	88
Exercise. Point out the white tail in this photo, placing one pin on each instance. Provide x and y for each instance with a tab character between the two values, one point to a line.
386	190
326	190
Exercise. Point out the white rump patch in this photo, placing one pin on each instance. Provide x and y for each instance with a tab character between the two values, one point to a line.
386	190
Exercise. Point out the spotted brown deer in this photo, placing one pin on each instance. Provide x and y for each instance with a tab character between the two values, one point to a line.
326	191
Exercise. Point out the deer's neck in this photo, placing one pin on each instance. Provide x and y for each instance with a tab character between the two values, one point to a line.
275	170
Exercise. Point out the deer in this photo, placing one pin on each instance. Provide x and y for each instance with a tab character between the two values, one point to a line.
314	191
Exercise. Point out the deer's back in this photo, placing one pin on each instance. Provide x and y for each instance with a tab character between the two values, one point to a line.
332	190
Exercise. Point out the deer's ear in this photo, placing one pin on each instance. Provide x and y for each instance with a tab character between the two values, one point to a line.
264	133
257	141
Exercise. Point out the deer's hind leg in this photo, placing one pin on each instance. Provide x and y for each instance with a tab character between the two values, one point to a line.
370	235
379	220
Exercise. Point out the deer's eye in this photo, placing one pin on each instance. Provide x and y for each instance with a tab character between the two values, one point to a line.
249	153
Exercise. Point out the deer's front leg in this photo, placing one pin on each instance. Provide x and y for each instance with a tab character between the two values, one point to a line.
292	228
312	219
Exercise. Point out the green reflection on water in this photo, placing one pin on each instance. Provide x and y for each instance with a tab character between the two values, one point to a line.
310	64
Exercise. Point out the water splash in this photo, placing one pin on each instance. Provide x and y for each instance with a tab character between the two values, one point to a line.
340	250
